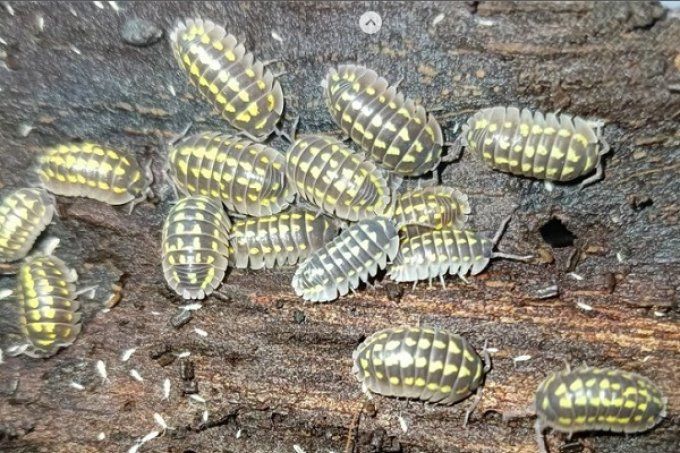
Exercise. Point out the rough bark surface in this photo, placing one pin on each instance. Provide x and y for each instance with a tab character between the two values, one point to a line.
275	371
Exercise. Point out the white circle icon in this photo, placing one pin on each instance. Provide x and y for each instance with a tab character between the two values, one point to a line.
370	22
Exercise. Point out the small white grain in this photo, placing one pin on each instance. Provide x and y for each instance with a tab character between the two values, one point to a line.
492	350
575	276
136	376
205	416
298	449
114	6
200	332
76	50
583	306
76	385
3	42
106	310
166	389
659	314
40	22
9	8
101	436
98	4
191	307
72	11
276	36
619	257
125	356
160	421
17	349
101	370
403	424
172	91
548	186
521	358
134	448
1	357
647	358
148	437
155	313
486	22
238	433
438	18
181	355
197	398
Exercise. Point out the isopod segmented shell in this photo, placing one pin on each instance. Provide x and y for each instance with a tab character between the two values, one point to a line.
599	399
237	85
248	177
329	175
278	240
427	253
393	131
352	257
195	247
48	312
553	147
431	365
90	170
24	214
436	207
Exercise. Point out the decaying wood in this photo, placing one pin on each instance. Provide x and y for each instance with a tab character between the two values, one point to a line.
274	371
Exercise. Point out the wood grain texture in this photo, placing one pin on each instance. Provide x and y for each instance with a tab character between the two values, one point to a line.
276	370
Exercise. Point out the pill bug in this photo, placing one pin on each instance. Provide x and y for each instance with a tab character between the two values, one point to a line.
195	246
436	207
552	147
90	170
431	365
332	177
47	309
352	257
248	177
278	240
598	399
24	214
426	253
237	85
393	131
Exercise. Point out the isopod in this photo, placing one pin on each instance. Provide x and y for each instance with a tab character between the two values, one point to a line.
431	365
556	147
278	240
426	253
352	257
597	399
243	92
47	309
248	177
329	175
394	131
436	207
195	247
24	214
90	170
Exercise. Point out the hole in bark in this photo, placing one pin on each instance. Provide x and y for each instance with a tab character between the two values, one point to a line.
555	233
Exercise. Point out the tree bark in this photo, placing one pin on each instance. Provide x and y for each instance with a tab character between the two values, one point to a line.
275	371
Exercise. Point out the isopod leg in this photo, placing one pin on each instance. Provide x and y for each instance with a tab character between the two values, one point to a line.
599	172
540	439
473	406
455	150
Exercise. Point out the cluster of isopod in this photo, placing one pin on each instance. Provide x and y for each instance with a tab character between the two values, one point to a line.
333	211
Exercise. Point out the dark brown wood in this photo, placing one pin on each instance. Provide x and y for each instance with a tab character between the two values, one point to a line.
275	371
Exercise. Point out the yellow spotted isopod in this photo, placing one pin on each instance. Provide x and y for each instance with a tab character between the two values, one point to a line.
24	214
47	310
90	170
597	399
237	85
394	131
525	143
432	365
195	246
249	178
